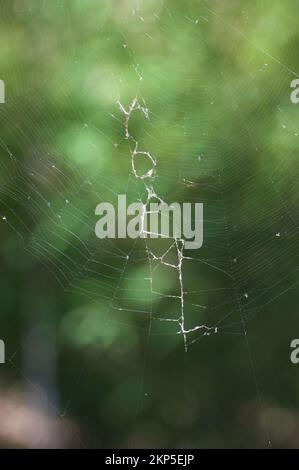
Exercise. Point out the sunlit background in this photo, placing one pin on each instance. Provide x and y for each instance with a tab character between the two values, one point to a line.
94	352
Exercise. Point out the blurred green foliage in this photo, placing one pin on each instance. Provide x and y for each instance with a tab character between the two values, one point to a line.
216	78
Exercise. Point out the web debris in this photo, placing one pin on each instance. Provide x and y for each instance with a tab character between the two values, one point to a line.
178	243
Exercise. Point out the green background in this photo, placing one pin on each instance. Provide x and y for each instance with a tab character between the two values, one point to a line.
89	363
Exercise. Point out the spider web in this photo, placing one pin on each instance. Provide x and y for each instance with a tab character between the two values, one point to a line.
154	140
